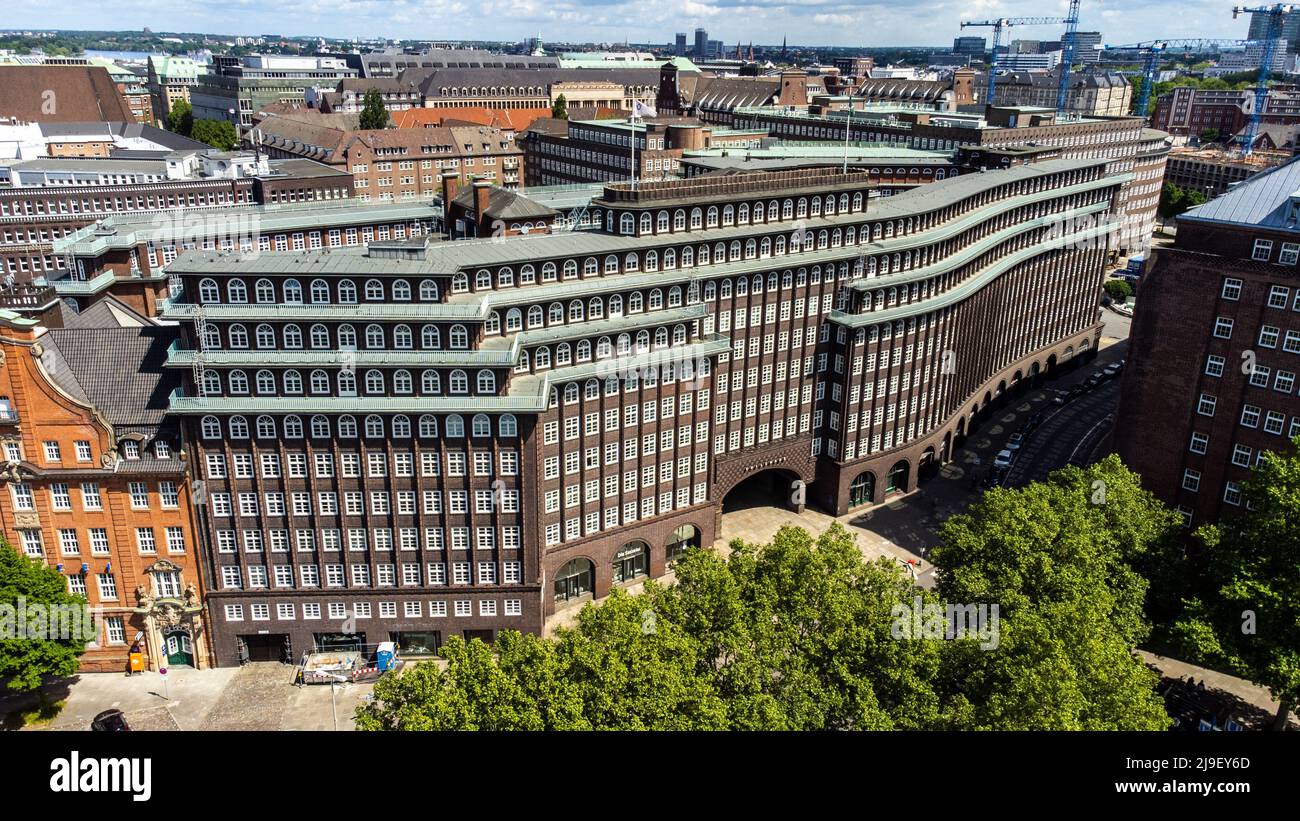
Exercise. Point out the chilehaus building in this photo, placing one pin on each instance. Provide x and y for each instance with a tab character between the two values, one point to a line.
412	438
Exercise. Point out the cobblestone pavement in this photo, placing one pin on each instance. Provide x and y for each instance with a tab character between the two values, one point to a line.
255	698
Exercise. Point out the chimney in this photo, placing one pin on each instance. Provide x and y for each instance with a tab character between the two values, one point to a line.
482	190
450	185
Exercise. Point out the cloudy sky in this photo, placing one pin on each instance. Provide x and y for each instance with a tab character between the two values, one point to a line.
811	22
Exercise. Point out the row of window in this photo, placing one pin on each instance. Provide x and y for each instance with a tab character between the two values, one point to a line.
358	539
290	292
70	542
345	427
24	498
359	575
375	381
311	611
579	527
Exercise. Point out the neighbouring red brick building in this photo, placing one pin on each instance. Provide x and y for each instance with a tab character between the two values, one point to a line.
1211	382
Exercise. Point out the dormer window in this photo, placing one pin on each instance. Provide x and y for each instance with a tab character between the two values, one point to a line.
162	450
1263	250
131	449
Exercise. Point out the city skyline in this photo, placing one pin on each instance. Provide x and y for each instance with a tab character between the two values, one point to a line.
802	22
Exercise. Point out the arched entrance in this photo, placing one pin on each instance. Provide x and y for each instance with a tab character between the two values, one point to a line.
960	438
862	490
896	479
927	466
630	562
683	539
576	577
178	648
1033	375
773	487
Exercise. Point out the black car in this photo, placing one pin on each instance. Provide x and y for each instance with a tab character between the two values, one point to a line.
110	721
1033	422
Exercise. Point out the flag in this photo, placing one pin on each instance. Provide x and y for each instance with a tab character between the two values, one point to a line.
640	109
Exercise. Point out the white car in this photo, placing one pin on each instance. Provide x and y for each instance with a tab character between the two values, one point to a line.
1003	459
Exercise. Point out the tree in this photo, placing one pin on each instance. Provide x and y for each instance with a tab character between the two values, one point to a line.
1057	557
180	120
1246	623
560	108
374	114
1209	135
219	134
1118	290
42	592
1175	200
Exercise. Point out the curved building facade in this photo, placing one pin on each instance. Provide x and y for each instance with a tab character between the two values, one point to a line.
415	439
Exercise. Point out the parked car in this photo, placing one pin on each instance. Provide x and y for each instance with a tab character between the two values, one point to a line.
1113	368
1096	379
1014	443
110	721
1004	459
1062	397
1033	422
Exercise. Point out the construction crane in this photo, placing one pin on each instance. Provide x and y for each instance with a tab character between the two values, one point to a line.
1067	56
1154	49
1276	17
1001	24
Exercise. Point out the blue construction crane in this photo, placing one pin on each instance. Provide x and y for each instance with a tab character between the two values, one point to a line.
1002	23
1153	49
1276	17
1067	55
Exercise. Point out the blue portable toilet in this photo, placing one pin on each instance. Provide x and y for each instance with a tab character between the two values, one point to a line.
386	656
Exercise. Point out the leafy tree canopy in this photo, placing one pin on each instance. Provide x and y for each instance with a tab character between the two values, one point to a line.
26	660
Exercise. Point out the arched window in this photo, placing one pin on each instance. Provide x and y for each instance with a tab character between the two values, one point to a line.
507	426
675	297
487	382
292	292
616	305
238	336
292	427
209	293
374	336
374	290
264	291
430	338
611	264
428	290
575	310
238	427
236	291
459	382
591	390
542	358
661	337
428	426
320	382
320	291
480	425
627	224
347	383
401	427
265	427
697	218
514	320
430	382
645	223
238	381
656	299
211	427
402	381
320	427
292	336
347	292
563	354
595	308
459	283
482	279
374	427
536	317
459	337
347	338
571	393
265	336
211	383
492	325
402	337
401	290
634	301
347	427
455	426
265	382
679	334
374	381
582	351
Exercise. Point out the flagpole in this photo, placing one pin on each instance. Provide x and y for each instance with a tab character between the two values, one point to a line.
632	122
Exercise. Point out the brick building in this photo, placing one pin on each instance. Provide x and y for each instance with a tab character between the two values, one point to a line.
561	152
1188	112
1129	148
96	480
1216	348
395	164
410	440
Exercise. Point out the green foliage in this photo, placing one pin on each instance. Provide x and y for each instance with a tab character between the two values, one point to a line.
1209	135
1247	621
1118	290
560	108
219	134
373	112
1238	81
24	660
1175	200
800	635
1058	558
180	120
